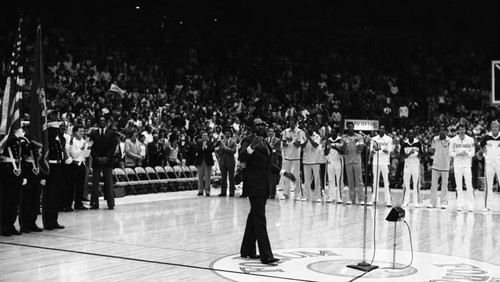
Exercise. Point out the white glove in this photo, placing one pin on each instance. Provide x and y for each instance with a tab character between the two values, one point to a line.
69	160
25	181
42	182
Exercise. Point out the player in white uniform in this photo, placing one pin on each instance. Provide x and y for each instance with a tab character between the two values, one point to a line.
310	160
411	149
462	149
490	145
380	148
292	137
334	168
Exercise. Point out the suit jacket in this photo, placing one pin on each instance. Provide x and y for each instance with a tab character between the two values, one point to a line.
258	174
226	156
204	154
155	154
103	147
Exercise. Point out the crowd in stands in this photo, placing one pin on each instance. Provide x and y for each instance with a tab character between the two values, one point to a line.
169	100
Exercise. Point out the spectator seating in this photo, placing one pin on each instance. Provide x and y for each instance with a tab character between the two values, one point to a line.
160	184
181	177
122	185
162	175
139	186
177	183
149	185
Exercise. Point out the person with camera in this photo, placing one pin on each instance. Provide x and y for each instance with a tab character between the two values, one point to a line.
256	157
79	150
103	150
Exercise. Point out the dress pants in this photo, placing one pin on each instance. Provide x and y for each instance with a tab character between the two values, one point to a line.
460	174
30	198
109	193
294	167
444	186
491	168
354	181
11	194
227	172
76	184
335	184
204	173
384	171
411	172
310	171
52	193
256	230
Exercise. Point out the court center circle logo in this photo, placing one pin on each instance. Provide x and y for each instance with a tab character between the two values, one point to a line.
325	264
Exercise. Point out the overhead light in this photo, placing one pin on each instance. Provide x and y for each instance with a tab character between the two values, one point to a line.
137	7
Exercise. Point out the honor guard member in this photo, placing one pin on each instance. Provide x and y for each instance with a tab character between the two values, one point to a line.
11	182
55	180
30	193
490	145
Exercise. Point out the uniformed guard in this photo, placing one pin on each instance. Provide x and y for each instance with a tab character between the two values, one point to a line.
12	180
55	179
30	193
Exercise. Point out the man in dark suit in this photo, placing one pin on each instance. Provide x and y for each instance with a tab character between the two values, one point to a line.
227	161
204	162
256	157
275	144
103	150
155	152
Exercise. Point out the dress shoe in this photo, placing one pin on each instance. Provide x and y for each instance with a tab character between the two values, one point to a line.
14	231
222	195
251	256
231	195
36	229
111	208
270	261
94	207
48	227
25	230
200	194
58	226
207	194
6	233
81	208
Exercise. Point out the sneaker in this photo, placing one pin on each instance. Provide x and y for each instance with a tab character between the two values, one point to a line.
339	202
471	209
388	205
297	198
459	208
348	203
485	210
417	205
285	197
430	206
319	201
370	203
404	205
362	203
330	200
304	199
444	207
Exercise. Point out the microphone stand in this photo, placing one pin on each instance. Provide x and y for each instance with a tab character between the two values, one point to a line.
364	265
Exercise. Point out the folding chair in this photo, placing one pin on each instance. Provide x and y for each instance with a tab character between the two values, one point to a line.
122	182
191	180
177	185
166	183
140	186
181	177
143	176
154	178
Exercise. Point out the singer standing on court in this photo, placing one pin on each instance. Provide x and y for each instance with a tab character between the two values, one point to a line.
353	146
103	149
256	157
204	162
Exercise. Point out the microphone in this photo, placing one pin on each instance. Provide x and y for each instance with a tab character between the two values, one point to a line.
371	139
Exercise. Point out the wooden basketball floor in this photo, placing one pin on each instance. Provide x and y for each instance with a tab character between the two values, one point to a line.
177	236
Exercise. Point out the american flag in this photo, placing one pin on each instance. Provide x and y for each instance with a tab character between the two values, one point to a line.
11	100
38	108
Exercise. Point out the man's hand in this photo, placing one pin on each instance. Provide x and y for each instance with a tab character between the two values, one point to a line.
290	176
255	142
